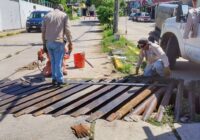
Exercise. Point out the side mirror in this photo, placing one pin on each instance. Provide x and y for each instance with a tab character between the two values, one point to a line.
185	9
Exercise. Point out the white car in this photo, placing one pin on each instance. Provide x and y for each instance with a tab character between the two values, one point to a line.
143	16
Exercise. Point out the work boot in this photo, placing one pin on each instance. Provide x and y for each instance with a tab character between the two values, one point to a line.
54	82
61	84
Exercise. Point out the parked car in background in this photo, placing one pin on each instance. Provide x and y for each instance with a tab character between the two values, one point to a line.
135	17
142	16
34	21
131	16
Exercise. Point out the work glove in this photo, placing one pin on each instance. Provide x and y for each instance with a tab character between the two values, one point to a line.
167	72
137	70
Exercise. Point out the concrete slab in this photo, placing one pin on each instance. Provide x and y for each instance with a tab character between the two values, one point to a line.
120	130
43	127
188	131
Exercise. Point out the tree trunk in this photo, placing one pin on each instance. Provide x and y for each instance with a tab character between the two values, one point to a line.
116	17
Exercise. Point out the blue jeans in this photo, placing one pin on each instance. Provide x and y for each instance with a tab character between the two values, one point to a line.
56	51
155	68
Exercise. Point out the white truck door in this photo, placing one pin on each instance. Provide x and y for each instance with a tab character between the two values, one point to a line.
192	46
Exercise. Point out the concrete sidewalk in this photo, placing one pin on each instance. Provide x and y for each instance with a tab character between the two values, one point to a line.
11	32
21	50
46	127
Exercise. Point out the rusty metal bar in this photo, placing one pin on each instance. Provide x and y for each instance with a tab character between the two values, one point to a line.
197	107
165	101
132	103
9	83
4	81
84	100
55	99
99	101
152	106
67	101
113	104
139	109
179	96
10	90
117	84
19	110
11	102
191	100
22	91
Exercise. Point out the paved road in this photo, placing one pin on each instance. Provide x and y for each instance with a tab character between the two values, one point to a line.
20	50
135	30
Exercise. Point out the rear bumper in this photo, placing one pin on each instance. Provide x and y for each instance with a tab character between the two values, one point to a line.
33	27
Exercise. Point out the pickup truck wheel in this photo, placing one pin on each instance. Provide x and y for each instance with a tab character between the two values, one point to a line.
172	52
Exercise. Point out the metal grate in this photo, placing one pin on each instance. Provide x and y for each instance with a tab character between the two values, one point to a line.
107	101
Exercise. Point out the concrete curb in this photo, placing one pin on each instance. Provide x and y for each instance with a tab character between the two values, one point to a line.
11	33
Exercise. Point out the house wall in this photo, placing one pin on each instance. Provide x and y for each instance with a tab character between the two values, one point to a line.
13	13
9	15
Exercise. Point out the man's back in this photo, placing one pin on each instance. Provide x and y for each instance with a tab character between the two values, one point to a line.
54	25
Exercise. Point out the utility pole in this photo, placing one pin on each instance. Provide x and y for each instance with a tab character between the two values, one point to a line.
116	17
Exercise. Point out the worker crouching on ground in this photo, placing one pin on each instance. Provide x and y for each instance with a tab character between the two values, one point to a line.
54	28
157	61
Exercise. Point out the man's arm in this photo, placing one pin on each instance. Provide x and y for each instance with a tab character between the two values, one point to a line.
68	33
43	31
140	59
43	35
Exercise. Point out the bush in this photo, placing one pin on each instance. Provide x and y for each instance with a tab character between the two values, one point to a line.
130	50
105	13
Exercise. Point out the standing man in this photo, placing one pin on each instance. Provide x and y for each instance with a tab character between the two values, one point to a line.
54	29
157	61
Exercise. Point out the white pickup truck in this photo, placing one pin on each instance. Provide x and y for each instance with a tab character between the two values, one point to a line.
172	40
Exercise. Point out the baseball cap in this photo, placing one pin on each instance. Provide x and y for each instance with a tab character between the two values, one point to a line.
142	42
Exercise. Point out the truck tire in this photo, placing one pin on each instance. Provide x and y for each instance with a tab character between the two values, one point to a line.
172	51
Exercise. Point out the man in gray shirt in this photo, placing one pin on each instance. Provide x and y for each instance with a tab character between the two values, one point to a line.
157	61
55	28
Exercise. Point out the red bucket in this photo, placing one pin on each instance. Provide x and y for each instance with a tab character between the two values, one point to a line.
79	60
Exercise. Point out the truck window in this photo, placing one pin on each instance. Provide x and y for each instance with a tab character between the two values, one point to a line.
164	11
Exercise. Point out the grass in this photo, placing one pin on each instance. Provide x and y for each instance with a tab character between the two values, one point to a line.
75	18
4	34
130	51
168	118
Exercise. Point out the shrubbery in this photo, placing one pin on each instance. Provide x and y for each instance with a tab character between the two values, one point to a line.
105	12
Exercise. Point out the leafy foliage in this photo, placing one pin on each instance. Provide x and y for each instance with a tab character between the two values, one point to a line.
105	12
109	43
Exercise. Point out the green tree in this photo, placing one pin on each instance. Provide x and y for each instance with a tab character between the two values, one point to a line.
55	1
105	12
97	3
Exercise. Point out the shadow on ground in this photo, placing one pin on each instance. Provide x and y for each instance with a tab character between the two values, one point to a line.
17	90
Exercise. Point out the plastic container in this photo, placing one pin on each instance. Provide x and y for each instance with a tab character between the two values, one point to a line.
79	60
